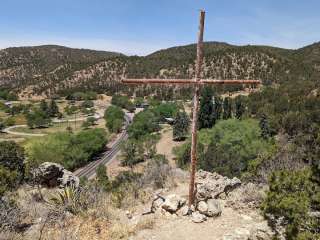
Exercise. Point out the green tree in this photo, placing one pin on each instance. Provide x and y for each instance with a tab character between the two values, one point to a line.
228	147
181	126
217	108
227	108
114	117
165	110
53	108
206	113
37	119
239	107
143	123
87	104
91	121
132	153
44	107
264	126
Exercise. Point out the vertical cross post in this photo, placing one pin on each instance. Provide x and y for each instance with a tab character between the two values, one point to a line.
195	110
196	82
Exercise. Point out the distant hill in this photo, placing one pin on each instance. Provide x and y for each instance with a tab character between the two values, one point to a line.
50	69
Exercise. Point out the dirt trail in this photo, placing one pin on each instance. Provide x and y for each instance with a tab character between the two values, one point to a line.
166	144
172	227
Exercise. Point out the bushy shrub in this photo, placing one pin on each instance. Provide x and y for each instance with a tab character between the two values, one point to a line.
290	197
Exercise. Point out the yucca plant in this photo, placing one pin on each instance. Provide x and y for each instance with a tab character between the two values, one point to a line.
70	199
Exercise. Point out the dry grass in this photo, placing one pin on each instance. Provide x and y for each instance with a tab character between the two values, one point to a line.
119	230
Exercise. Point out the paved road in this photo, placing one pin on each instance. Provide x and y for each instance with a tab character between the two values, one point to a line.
9	130
89	171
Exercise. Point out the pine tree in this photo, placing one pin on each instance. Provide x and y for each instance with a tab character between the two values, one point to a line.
239	107
217	108
206	114
44	107
264	126
227	109
181	126
53	109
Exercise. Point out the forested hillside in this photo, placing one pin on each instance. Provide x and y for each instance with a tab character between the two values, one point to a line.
54	69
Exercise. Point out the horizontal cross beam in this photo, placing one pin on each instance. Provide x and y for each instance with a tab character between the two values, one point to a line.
189	81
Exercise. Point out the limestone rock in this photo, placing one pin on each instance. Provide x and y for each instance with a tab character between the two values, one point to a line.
197	217
203	207
184	211
211	185
173	202
214	208
54	175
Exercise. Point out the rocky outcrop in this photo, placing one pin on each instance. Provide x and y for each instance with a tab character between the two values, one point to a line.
212	185
54	175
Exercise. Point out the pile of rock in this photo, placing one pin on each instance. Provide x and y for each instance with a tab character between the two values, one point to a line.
54	175
209	187
212	185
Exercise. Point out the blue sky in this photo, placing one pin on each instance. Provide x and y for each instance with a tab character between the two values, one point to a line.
143	26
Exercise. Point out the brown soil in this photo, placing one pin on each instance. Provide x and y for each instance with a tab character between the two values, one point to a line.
166	144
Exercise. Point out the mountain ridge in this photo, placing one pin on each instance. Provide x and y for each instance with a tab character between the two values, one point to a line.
49	69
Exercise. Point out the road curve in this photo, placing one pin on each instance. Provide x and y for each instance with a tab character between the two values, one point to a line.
89	171
9	130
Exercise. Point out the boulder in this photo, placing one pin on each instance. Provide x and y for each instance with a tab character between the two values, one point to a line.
202	207
214	208
197	217
68	179
173	202
211	208
212	185
54	175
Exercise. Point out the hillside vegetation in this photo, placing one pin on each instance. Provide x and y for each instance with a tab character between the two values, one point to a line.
54	69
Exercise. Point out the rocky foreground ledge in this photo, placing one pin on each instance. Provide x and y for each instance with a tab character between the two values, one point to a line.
214	193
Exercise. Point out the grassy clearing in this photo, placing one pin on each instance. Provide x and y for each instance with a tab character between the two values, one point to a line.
56	127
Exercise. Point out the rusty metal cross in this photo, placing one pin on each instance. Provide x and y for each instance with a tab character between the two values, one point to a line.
197	82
